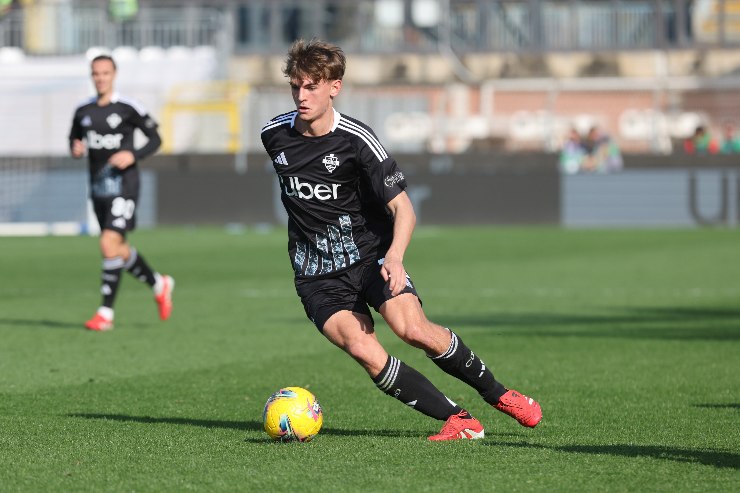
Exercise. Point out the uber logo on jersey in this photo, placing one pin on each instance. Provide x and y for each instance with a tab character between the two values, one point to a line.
331	162
107	141
114	120
294	187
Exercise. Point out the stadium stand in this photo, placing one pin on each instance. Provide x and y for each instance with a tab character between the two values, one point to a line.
510	75
439	77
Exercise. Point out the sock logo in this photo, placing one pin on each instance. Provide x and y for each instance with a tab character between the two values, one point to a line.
470	360
397	393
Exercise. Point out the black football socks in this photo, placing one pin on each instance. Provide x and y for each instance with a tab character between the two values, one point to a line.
460	362
414	389
111	277
137	267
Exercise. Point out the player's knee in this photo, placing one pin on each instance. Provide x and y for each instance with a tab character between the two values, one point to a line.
110	250
372	357
112	244
414	333
358	350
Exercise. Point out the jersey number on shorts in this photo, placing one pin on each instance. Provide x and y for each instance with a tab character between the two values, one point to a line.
123	208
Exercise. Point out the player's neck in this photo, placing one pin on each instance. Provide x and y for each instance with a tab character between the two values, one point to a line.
105	98
318	127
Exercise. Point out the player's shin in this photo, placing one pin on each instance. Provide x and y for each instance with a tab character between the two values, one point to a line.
414	389
462	363
137	267
111	278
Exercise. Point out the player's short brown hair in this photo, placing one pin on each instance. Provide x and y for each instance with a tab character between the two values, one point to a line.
104	57
316	60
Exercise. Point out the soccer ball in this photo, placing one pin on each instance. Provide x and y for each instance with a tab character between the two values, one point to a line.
292	413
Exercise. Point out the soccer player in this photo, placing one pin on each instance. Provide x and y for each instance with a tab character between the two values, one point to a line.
350	222
104	127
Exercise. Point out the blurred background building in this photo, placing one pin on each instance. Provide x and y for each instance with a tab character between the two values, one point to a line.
431	77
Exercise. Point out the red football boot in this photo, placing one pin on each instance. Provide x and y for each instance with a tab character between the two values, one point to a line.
520	407
164	298
458	428
99	323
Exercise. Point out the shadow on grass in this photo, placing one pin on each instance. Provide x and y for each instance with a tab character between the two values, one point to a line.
204	423
56	324
250	425
729	405
674	323
706	457
46	324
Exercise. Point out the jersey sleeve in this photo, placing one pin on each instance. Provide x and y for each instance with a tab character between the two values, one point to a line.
380	171
147	124
75	132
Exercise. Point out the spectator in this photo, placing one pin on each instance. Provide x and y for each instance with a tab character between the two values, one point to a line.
702	142
730	139
601	152
572	153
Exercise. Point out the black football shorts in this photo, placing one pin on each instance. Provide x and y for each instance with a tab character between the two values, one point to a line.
353	289
116	213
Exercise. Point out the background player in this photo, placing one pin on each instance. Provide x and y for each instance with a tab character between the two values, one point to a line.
350	222
104	127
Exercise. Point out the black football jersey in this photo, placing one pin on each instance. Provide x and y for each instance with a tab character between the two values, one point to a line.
107	130
335	189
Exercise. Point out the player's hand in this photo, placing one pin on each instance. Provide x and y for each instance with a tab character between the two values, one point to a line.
394	274
122	159
78	148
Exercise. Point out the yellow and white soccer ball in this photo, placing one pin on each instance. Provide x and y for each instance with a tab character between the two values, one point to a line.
292	413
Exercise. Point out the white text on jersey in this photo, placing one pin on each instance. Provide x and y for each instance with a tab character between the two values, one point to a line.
294	187
107	141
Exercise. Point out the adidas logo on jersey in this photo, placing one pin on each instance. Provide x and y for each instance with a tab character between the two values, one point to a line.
86	121
281	159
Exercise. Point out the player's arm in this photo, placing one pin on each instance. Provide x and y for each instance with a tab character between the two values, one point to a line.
404	220
149	127
145	123
76	146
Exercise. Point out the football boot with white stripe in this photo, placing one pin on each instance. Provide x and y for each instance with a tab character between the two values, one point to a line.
460	426
164	297
520	407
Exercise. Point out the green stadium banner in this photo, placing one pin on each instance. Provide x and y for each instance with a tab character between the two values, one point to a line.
123	10
5	6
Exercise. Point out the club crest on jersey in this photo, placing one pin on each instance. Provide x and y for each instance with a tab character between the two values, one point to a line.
114	120
86	121
331	162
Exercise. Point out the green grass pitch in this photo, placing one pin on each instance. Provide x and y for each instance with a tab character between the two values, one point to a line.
630	340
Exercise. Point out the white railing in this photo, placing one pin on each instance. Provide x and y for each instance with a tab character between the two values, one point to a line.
381	26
